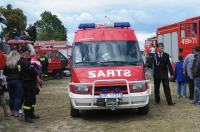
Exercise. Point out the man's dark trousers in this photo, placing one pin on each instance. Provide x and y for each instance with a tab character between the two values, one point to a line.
191	88
166	88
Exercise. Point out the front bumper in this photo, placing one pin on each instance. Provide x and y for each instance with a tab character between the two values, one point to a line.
130	100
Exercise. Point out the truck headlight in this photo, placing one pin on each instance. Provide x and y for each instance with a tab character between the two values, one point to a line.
81	88
138	86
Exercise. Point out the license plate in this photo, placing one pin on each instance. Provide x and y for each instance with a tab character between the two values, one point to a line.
111	95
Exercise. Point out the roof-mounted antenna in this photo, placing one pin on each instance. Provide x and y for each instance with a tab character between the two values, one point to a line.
109	19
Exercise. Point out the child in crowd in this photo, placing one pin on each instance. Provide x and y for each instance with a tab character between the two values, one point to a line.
38	67
3	89
180	78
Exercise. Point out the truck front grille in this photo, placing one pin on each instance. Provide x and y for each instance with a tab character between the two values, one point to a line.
110	89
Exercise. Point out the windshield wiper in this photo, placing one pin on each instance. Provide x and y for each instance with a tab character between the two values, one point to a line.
131	63
118	63
108	63
112	62
87	62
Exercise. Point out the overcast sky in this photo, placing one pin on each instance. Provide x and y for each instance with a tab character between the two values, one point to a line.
145	16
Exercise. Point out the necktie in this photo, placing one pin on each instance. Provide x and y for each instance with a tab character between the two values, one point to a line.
160	55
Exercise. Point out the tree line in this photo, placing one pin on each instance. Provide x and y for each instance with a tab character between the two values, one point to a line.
49	27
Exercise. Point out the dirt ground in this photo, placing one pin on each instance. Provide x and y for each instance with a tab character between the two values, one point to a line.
54	110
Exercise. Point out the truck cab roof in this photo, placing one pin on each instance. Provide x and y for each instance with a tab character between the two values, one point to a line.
101	32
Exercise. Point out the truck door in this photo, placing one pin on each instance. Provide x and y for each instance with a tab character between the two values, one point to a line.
54	62
170	41
62	59
188	37
174	43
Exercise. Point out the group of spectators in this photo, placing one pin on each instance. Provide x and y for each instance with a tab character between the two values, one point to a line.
189	69
23	81
28	34
21	77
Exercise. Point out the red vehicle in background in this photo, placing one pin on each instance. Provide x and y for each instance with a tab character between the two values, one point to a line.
107	70
179	38
149	43
17	45
57	62
2	60
56	67
61	46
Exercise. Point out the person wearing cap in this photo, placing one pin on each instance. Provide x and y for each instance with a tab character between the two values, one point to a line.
161	67
28	75
32	32
44	61
13	34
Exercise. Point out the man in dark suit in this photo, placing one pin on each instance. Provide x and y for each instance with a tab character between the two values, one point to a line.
161	66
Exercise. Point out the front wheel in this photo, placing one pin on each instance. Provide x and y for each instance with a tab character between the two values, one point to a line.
144	110
74	112
57	74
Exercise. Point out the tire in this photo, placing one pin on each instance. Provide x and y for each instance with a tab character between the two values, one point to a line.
74	112
57	74
144	110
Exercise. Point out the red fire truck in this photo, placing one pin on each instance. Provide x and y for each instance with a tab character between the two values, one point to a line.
57	62
12	44
149	43
107	70
2	59
59	56
61	46
179	38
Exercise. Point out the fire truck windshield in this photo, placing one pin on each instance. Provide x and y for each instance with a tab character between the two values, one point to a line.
106	53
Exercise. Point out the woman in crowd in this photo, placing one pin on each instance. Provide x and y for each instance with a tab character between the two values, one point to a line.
12	71
180	78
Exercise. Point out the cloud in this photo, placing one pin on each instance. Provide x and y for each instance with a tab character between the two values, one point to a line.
142	36
144	16
84	17
70	37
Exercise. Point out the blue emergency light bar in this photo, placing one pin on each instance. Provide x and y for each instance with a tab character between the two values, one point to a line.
93	25
122	24
86	25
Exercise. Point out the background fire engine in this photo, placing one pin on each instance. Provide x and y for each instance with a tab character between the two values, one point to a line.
58	55
178	38
149	43
61	46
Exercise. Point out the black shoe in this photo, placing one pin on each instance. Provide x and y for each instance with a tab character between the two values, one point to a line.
156	103
191	98
29	120
35	117
171	104
194	102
